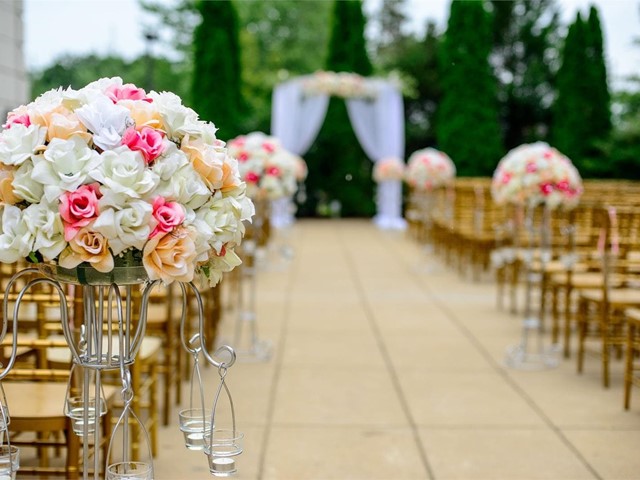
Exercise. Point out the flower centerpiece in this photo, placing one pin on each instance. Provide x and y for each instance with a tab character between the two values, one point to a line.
390	168
265	166
301	169
428	169
534	174
109	176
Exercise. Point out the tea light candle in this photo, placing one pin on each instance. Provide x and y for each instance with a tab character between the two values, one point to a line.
224	464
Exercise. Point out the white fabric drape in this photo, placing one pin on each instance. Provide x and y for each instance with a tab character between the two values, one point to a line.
296	118
379	127
378	124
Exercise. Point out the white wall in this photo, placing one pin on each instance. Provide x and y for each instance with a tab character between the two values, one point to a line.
14	87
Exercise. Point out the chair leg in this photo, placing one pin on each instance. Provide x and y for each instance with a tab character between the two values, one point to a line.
73	454
606	352
555	321
628	371
582	332
567	322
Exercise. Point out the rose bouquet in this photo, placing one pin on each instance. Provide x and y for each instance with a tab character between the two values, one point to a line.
108	175
390	168
536	174
428	169
266	167
301	169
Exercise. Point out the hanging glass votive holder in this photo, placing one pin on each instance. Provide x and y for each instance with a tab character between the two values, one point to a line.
9	461
194	421
5	419
223	445
124	468
80	408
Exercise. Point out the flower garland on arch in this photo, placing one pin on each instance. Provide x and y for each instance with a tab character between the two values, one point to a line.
339	84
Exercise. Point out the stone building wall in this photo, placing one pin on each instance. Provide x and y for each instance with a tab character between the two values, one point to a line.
14	86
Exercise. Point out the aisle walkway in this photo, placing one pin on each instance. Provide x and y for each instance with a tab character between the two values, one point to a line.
383	371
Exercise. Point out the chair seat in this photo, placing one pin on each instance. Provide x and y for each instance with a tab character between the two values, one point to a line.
150	345
582	280
35	400
557	266
617	297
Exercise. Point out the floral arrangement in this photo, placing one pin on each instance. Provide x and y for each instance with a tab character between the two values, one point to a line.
301	169
536	174
266	167
342	84
108	173
428	169
390	168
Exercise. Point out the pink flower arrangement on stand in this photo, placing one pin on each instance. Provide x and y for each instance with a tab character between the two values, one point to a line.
535	174
428	169
267	168
390	168
110	172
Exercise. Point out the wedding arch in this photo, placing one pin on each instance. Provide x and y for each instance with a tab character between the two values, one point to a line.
375	110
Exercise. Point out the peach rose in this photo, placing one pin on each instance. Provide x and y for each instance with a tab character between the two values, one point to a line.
64	125
171	256
143	114
206	160
87	246
7	194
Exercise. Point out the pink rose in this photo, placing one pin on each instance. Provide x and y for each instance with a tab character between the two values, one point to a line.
274	171
546	188
148	141
269	147
169	215
506	178
531	167
237	142
17	118
251	177
243	156
563	186
78	209
126	92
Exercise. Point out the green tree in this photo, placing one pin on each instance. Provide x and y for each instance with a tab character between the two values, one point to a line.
338	168
216	82
78	71
467	119
525	61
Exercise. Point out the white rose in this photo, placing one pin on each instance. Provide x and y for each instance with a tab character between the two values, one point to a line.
221	264
169	162
64	166
45	103
125	227
223	216
103	83
16	241
106	120
178	119
25	186
18	143
45	225
74	99
186	187
125	172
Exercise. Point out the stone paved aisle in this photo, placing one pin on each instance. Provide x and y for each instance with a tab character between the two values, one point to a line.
385	370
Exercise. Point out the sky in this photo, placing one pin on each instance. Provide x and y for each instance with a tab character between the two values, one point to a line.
55	27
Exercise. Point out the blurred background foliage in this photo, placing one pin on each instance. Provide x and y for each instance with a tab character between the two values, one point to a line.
542	80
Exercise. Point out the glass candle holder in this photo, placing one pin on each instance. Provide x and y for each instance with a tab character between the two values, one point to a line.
221	446
129	471
75	411
194	422
9	462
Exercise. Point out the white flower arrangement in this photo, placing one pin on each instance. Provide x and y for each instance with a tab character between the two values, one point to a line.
390	168
268	170
340	84
107	172
536	173
428	169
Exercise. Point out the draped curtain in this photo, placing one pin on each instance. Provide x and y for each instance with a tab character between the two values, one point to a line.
378	124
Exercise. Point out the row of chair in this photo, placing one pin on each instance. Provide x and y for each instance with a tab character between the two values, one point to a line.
584	263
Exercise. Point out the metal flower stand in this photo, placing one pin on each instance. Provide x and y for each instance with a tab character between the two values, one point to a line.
524	355
109	339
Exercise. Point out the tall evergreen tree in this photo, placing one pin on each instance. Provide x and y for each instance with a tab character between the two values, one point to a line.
525	61
338	168
600	121
569	128
216	88
467	126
